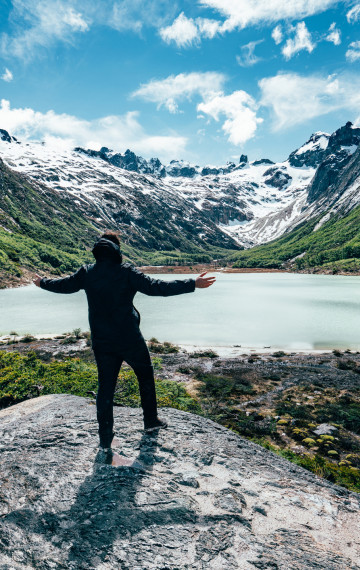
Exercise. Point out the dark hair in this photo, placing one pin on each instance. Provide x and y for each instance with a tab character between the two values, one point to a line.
112	236
108	247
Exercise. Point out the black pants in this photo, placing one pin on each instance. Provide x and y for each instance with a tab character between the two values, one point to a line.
109	363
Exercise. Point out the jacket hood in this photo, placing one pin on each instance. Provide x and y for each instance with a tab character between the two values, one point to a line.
107	249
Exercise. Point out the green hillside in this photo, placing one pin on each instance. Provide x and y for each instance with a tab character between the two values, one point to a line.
38	229
334	246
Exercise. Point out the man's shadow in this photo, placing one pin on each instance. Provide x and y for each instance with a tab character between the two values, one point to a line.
106	507
108	499
111	503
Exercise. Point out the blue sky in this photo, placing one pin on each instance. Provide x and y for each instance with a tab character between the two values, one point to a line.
204	81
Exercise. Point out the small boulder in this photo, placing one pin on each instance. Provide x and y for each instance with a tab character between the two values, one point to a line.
325	429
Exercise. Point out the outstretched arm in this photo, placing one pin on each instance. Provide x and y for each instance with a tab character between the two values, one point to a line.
70	284
157	287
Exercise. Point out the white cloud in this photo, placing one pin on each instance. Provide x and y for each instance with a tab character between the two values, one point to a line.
248	57
36	25
186	31
40	23
243	13
239	108
175	88
353	15
353	53
135	14
239	14
7	75
207	28
334	35
277	35
183	31
295	98
75	20
300	41
116	131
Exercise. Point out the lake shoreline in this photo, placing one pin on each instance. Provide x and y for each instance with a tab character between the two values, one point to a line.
223	351
13	282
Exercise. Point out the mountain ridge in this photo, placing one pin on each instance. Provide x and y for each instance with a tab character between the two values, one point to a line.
184	215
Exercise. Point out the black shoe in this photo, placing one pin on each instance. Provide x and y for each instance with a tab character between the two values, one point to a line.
105	442
154	425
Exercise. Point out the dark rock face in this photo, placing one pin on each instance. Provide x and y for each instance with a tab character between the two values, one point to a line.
194	496
243	159
214	171
129	161
263	161
330	156
321	147
327	175
340	167
316	150
345	136
4	136
178	168
277	177
210	170
93	153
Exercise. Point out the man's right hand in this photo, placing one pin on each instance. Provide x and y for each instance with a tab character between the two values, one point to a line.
202	282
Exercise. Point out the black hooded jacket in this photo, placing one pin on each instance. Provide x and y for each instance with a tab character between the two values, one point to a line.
110	287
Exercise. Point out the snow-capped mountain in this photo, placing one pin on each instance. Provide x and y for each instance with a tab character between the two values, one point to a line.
312	152
334	161
156	206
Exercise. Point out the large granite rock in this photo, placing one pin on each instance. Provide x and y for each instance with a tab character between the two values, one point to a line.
195	496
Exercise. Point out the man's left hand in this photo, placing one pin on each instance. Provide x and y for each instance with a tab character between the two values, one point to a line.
37	280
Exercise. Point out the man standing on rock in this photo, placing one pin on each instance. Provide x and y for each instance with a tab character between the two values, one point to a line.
110	286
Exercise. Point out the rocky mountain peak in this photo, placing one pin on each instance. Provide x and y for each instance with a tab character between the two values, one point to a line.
175	169
346	136
182	168
312	153
193	496
341	147
262	161
5	136
321	145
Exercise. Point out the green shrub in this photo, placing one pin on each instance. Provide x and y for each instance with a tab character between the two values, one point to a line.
344	412
286	407
204	354
22	377
28	338
162	347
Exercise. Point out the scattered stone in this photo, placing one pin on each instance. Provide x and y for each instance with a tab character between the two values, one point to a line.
325	429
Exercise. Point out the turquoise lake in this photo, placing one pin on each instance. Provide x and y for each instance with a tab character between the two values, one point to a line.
280	310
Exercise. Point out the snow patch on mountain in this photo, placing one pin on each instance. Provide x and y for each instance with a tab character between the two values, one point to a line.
318	141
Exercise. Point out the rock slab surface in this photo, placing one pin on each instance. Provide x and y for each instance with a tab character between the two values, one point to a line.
194	496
